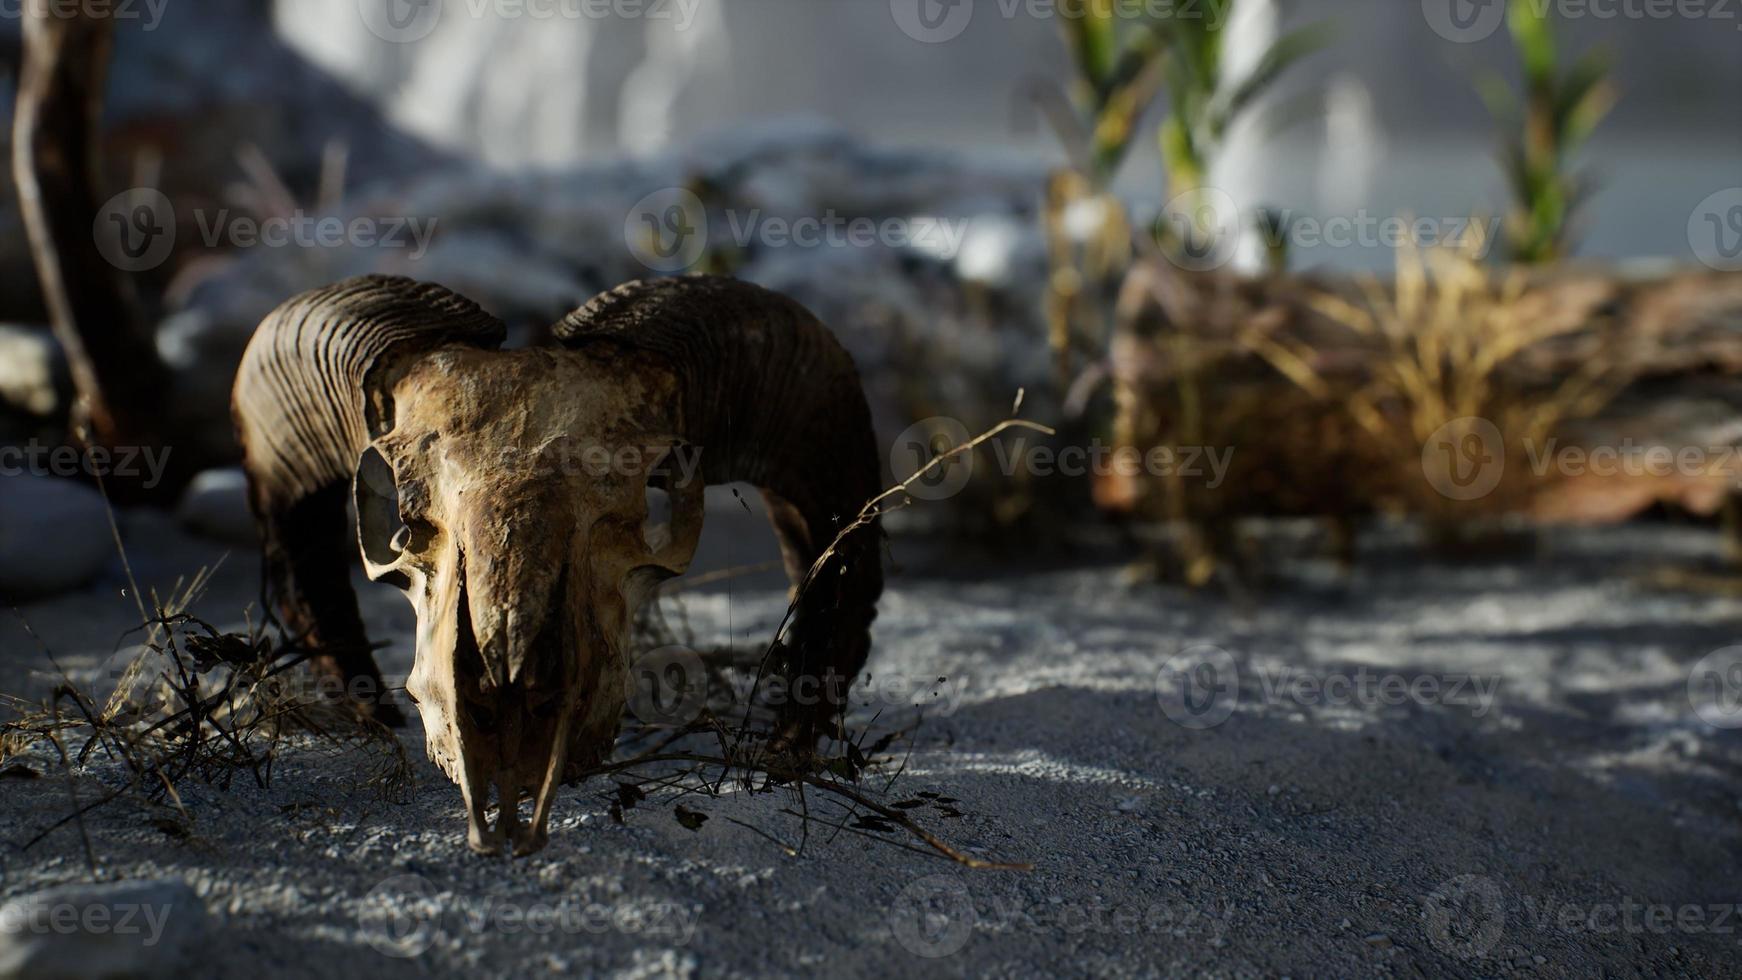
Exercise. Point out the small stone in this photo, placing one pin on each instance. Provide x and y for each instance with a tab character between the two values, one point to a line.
215	505
1131	804
1274	789
113	929
1377	939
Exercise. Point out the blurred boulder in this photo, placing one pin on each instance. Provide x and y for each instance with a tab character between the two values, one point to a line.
215	505
54	533
101	931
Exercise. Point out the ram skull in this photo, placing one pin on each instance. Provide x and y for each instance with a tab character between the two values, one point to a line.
506	493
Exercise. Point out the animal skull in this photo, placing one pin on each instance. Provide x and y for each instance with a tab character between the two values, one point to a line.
505	493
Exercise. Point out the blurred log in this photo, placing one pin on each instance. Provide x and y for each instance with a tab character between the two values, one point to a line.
1676	334
122	384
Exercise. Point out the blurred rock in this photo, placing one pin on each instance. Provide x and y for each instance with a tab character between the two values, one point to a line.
120	929
32	371
215	504
54	534
941	307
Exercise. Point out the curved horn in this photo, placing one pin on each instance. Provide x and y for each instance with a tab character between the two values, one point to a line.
309	396
773	400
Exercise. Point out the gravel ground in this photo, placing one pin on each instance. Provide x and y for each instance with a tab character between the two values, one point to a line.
1555	805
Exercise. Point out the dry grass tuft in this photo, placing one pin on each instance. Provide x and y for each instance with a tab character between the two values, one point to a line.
1455	342
194	703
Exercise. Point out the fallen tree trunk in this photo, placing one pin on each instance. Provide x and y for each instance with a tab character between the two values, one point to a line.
1333	396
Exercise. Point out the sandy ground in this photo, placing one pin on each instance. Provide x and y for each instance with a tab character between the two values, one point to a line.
1555	806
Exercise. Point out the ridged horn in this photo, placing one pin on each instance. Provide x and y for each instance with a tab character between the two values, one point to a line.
773	400
308	397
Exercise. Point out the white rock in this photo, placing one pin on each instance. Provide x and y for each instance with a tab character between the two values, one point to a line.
215	505
54	534
114	929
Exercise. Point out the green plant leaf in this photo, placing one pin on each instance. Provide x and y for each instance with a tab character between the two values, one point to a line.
1278	58
1534	37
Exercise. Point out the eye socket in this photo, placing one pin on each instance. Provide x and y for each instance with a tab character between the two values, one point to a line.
382	533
